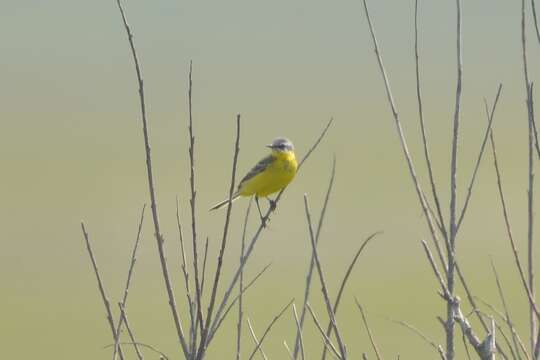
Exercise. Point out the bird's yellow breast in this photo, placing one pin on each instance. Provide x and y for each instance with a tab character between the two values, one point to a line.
278	174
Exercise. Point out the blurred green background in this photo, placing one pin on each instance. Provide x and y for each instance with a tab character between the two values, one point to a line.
71	148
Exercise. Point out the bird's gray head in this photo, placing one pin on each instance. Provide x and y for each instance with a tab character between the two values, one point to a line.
281	144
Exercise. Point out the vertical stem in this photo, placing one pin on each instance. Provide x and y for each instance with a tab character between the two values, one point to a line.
453	195
192	202
530	191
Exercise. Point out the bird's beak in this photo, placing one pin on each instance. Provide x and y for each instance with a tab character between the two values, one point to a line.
269	146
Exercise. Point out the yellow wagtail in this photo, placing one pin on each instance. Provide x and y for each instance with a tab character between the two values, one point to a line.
270	175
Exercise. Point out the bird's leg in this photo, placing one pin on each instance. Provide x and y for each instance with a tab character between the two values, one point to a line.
272	203
263	220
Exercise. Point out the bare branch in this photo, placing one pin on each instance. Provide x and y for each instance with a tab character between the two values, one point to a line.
479	159
299	329
312	260
268	328
128	281
326	339
233	302
344	282
206	328
323	282
403	141
124	319
101	289
424	337
422	125
151	188
257	342
530	190
150	347
366	325
505	306
241	290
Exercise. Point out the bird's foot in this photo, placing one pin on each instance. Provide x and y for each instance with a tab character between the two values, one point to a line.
273	204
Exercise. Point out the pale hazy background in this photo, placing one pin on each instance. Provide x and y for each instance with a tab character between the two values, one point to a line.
71	148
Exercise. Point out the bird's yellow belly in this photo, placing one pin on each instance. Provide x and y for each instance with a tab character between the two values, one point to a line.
278	175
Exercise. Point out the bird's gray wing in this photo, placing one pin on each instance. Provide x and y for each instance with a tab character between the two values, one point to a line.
257	169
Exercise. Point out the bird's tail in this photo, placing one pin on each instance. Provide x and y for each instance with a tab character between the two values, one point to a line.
221	204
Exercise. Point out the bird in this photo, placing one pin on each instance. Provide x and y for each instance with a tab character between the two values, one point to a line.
270	175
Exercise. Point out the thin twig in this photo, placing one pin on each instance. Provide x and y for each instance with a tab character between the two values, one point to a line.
206	328
344	282
241	290
185	273
150	347
530	190
128	281
422	125
326	297
101	289
453	195
299	329
445	292
233	302
506	216
192	202
205	257
255	340
257	234
505	306
424	337
268	328
312	260
403	141
479	159
151	188
533	6
124	319
366	325
288	350
466	346
326	339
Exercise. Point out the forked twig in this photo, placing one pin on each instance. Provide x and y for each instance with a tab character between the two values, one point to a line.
299	329
268	328
256	340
